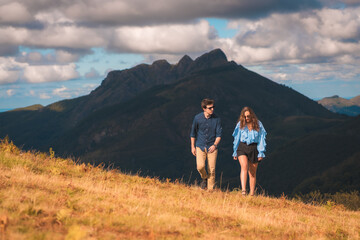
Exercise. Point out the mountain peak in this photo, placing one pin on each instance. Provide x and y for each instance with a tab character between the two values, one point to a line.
185	60
215	55
214	58
161	63
184	64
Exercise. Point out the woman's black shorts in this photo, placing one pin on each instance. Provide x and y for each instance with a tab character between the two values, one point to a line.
248	150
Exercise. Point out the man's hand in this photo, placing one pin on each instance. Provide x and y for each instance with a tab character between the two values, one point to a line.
260	158
193	151
212	148
235	158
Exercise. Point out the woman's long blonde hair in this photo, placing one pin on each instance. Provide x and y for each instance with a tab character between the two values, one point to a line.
253	118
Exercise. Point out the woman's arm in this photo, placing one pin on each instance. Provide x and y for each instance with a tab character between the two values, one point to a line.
236	134
261	146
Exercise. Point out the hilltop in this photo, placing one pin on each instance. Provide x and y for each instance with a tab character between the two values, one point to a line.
341	105
44	197
139	119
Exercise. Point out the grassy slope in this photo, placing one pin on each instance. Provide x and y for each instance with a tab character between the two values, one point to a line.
51	198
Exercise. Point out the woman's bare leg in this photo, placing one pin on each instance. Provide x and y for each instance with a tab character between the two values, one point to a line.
252	177
243	160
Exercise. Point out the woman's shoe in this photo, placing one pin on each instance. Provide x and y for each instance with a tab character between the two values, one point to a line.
203	184
243	192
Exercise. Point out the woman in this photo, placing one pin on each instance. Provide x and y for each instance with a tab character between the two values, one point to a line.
249	147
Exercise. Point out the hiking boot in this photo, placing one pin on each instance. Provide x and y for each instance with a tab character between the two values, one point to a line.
203	184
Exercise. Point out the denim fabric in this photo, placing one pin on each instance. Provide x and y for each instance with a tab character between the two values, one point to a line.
205	130
248	137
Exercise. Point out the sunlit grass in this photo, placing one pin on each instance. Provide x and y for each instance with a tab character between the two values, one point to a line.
45	197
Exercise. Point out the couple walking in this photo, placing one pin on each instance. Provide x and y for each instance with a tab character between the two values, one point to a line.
249	144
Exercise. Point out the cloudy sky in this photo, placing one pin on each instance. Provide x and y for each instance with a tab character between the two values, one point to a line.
52	50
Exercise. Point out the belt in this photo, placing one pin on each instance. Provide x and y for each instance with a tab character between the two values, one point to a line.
249	144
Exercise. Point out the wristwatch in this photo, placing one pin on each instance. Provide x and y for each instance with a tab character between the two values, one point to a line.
215	145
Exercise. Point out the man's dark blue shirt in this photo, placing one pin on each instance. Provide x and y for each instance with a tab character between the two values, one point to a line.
205	130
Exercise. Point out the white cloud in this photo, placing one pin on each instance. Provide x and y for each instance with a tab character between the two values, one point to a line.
44	96
341	24
176	38
30	68
140	12
66	57
303	73
14	36
53	17
90	86
161	39
7	76
14	12
302	36
67	25
50	73
61	92
51	93
317	36
53	36
9	70
10	92
64	36
59	57
93	73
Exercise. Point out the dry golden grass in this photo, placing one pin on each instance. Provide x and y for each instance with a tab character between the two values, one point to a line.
43	197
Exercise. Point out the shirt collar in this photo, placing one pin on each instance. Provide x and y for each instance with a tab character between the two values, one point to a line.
209	116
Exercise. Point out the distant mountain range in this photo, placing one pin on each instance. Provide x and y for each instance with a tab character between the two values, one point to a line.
139	120
350	107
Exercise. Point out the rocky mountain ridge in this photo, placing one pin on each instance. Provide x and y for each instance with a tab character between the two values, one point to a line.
350	107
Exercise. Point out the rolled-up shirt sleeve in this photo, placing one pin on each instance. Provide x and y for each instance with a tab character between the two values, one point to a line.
218	128
236	135
194	129
261	146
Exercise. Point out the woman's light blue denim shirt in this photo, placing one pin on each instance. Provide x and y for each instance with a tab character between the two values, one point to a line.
248	137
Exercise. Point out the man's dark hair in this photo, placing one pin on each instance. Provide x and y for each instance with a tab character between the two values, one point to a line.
205	102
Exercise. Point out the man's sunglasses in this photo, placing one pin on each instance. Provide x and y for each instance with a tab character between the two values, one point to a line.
211	107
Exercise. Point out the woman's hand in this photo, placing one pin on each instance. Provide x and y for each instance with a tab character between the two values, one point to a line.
260	158
235	158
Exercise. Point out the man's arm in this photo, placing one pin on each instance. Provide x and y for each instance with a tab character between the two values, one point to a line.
193	135
218	132
217	141
214	146
193	149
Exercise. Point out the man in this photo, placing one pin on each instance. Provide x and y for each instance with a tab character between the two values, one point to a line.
205	137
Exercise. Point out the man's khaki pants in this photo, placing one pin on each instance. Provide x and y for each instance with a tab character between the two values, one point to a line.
200	164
